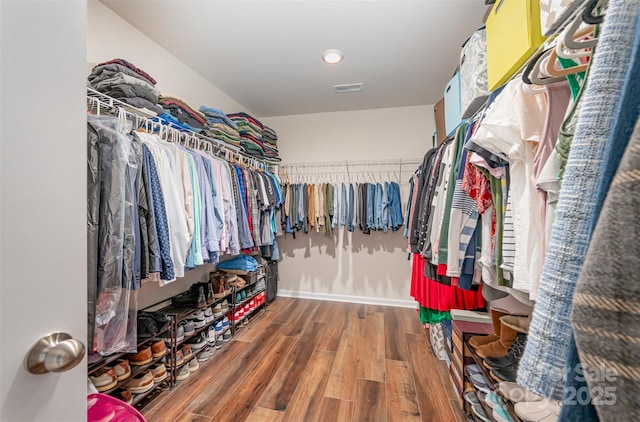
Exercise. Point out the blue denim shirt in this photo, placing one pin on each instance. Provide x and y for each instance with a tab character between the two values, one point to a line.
351	205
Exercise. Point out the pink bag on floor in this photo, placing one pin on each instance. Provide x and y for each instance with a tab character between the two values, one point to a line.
104	408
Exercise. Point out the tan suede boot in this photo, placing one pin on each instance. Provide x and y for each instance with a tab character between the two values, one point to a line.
477	341
508	335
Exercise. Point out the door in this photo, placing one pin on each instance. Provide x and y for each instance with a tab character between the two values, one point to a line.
42	202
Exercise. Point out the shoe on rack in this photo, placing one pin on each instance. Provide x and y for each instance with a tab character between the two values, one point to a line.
159	372
218	285
538	410
208	315
179	358
480	383
219	342
225	306
208	292
158	349
477	410
244	295
492	400
122	369
217	310
508	374
211	335
123	394
477	341
517	393
238	297
226	279
183	373
143	357
192	298
198	319
252	305
205	354
141	383
501	414
188	328
179	334
247	308
199	342
186	351
104	379
513	356
237	317
226	336
193	365
510	326
225	322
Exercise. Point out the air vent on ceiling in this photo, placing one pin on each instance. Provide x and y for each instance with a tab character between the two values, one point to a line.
347	88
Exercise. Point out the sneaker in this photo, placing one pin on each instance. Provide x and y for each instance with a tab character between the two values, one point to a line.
179	359
193	365
247	308
198	319
493	400
218	327
104	379
225	322
199	342
179	334
480	383
252	305
217	310
225	306
188	328
211	335
238	297
186	351
538	410
501	414
244	295
208	315
219	342
226	337
517	393
183	374
122	369
237	317
159	372
204	355
141	383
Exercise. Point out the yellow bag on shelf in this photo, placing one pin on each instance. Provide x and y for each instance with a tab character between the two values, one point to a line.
513	34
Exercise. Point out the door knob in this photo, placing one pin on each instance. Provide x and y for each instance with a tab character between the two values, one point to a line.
56	352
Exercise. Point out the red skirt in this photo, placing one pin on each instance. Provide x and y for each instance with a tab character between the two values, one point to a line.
439	297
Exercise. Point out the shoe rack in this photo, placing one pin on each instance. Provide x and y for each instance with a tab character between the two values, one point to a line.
494	386
139	400
247	293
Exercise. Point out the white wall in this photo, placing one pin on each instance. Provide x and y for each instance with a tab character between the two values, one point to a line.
109	36
43	222
351	266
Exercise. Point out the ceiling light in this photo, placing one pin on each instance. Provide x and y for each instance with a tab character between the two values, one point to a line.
332	56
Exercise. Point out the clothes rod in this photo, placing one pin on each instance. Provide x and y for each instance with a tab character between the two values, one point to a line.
395	161
98	99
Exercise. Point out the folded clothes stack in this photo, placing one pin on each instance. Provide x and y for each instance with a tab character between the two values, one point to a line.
270	141
220	127
250	130
127	83
177	109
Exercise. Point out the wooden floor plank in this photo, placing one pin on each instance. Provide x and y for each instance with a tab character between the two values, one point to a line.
410	321
299	319
285	381
246	395
395	340
372	351
336	410
188	390
370	404
344	374
232	373
284	315
260	414
402	403
325	312
432	397
335	327
191	417
306	403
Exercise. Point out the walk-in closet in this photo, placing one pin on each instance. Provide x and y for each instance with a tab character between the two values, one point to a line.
349	211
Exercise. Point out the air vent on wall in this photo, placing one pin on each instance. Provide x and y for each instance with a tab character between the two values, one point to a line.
347	88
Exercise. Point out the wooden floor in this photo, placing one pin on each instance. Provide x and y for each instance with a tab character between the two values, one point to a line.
306	360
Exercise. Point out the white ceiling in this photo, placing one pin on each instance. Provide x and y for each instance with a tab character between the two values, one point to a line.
266	54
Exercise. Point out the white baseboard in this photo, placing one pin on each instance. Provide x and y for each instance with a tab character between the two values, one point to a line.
399	303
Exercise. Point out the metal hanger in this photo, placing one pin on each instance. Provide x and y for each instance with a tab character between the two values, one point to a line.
589	8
